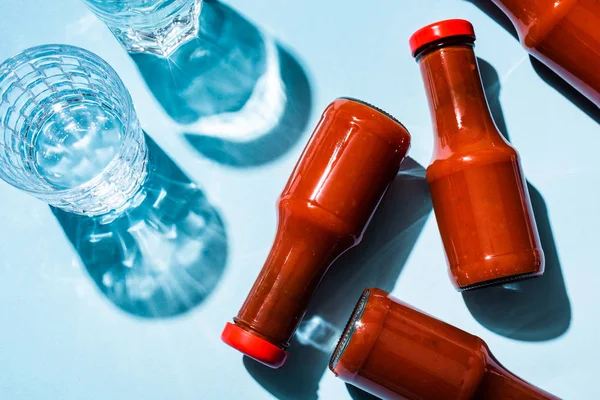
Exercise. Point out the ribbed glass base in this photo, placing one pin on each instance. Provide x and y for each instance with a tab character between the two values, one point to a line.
150	26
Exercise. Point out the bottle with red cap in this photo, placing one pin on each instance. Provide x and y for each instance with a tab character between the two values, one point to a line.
395	351
478	191
564	35
353	155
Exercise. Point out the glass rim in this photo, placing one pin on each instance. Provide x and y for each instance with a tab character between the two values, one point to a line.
19	59
22	58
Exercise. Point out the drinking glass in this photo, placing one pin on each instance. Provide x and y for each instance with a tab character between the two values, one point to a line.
149	26
69	134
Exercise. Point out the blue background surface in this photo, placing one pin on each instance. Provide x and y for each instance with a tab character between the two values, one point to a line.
60	338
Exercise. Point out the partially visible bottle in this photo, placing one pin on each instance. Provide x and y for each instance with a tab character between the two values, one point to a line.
564	35
344	171
397	352
69	134
478	190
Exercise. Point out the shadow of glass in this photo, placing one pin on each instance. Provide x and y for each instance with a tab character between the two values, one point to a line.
532	310
161	258
376	262
240	98
544	72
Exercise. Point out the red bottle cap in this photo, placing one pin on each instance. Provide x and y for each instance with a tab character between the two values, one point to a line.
253	346
440	30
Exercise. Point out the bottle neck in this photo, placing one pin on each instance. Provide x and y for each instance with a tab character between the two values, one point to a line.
499	383
302	252
457	102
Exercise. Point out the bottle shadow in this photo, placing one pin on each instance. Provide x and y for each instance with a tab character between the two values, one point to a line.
240	98
164	255
359	394
544	72
376	262
532	310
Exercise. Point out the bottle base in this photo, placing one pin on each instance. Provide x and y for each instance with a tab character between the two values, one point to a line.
500	281
498	269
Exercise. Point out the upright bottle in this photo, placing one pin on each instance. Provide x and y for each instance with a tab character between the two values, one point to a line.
394	351
352	157
477	186
564	35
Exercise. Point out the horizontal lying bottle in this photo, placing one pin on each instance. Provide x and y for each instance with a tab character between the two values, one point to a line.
564	35
394	351
347	166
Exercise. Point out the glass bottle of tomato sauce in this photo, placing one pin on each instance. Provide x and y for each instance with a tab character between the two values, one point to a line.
478	191
564	35
353	155
395	351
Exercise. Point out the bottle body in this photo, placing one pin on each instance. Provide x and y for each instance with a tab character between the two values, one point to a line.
352	157
478	190
485	218
394	351
564	35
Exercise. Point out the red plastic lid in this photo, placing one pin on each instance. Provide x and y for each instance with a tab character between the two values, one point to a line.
253	346
440	30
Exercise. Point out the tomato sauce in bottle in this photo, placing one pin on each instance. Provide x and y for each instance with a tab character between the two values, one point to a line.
353	155
478	190
564	35
395	351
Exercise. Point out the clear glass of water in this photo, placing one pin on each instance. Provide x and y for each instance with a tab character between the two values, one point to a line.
149	26
69	134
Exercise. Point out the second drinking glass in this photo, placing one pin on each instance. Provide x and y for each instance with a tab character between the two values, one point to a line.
153	26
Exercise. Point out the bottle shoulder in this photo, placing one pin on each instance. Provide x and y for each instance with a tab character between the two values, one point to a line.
477	367
535	19
445	163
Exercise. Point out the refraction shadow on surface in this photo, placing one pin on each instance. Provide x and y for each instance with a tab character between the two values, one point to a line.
376	262
162	257
544	72
239	97
537	309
